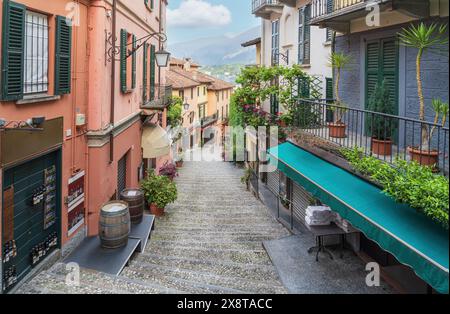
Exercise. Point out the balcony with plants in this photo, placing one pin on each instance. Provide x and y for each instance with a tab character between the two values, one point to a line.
265	8
407	157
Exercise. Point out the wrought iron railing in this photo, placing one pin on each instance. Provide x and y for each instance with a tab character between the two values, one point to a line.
257	4
158	97
321	8
209	119
381	135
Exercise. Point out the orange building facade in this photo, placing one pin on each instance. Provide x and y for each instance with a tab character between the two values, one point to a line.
70	131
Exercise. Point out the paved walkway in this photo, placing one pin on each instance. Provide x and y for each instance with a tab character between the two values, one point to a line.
210	241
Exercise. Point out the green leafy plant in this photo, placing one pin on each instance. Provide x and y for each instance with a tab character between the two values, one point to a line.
380	127
441	112
423	37
339	61
174	112
407	182
159	190
245	179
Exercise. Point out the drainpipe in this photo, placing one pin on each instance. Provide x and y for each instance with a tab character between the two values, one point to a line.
113	83
159	46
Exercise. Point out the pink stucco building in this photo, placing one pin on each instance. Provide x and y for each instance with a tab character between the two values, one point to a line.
84	143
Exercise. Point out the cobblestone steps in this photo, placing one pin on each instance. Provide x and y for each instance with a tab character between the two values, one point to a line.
218	267
209	241
251	284
91	282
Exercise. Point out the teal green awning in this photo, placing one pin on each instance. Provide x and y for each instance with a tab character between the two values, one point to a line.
412	238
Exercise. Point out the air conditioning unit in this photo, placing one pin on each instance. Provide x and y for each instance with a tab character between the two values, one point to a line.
80	119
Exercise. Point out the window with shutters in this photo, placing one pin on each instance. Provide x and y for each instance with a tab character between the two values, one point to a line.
152	72
36	53
145	66
382	64
275	42
304	35
274	105
127	64
150	4
25	53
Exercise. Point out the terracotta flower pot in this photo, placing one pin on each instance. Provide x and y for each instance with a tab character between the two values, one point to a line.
179	164
282	124
381	147
155	210
337	130
424	157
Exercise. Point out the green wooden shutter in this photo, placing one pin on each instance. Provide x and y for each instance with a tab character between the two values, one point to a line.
133	64
152	4
144	74
307	35
63	48
301	31
372	67
152	71
13	42
329	94
382	64
390	69
123	60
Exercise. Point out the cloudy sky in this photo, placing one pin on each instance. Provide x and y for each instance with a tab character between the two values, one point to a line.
192	19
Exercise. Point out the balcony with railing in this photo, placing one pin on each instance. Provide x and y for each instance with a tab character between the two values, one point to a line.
381	135
289	3
337	14
265	8
207	121
158	97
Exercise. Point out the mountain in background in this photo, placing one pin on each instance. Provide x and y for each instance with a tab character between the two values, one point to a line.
217	51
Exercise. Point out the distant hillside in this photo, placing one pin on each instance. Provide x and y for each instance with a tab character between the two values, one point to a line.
218	50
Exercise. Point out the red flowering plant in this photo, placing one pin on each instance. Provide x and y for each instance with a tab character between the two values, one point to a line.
169	170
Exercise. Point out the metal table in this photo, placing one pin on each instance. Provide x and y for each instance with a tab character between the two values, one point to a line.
320	232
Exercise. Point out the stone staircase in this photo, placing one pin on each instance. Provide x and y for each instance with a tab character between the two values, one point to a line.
209	241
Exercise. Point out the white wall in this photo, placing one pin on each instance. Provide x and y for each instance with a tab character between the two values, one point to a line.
320	50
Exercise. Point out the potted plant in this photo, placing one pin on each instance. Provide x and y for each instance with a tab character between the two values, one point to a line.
246	177
169	170
338	62
380	127
159	191
179	160
424	37
285	119
430	157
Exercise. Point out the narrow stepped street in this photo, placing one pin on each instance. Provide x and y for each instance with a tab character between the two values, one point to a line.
209	241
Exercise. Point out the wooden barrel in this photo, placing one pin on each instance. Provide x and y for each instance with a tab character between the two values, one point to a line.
114	224
135	199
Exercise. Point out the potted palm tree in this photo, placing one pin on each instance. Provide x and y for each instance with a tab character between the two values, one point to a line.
381	127
159	192
424	37
338	61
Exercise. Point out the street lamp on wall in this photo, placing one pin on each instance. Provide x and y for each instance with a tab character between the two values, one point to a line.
162	58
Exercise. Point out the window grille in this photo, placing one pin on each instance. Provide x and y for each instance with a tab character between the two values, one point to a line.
36	53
